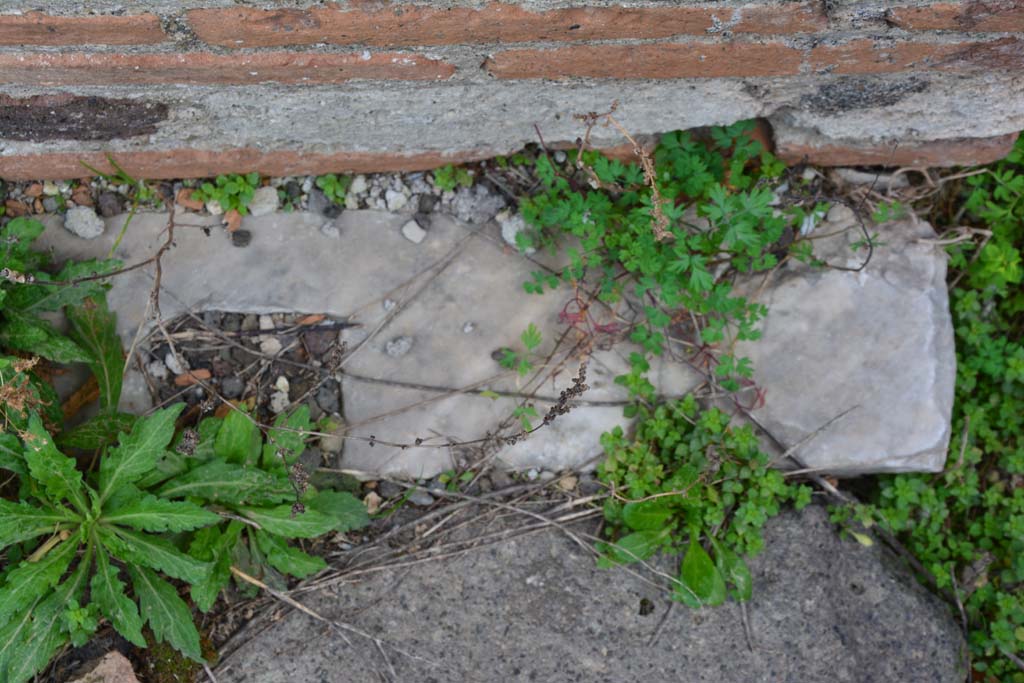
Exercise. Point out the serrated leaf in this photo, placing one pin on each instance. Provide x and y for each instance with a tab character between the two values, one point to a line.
138	452
286	559
530	337
153	552
38	337
647	515
286	436
347	511
12	637
98	432
24	230
215	546
94	328
53	297
11	456
636	546
223	482
45	636
238	439
51	468
22	521
166	613
702	584
280	520
150	513
735	571
29	580
109	594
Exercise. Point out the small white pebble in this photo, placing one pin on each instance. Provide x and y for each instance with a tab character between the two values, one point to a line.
278	402
266	322
413	232
171	361
270	346
282	384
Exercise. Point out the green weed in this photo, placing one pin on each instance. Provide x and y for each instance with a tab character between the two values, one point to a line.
334	187
232	192
966	524
447	178
687	483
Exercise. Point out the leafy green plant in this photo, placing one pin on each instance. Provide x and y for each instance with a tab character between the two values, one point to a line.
674	240
334	186
27	291
191	514
966	524
263	495
447	178
687	483
521	361
89	527
232	192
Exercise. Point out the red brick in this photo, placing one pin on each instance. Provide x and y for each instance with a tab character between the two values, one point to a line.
36	28
865	56
951	152
197	68
404	25
661	60
976	15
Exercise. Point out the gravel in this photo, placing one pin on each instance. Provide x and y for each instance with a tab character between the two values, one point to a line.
109	204
264	202
421	498
477	204
327	397
83	221
413	232
232	387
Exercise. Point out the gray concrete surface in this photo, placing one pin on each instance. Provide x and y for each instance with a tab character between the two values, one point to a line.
433	315
489	117
536	608
838	340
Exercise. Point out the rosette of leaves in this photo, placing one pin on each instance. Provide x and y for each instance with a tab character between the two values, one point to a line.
27	291
687	483
71	541
260	490
25	294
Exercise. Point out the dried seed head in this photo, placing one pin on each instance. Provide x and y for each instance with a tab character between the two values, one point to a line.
189	441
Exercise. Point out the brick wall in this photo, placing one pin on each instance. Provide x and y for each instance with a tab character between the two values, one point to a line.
383	85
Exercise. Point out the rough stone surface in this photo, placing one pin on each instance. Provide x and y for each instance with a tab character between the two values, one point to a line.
879	342
536	608
112	667
434	317
291	121
83	221
264	201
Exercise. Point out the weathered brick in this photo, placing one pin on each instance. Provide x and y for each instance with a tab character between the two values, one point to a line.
866	56
974	15
197	68
952	152
663	60
404	25
36	28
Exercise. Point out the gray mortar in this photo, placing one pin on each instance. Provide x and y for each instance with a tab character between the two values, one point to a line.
499	116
